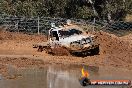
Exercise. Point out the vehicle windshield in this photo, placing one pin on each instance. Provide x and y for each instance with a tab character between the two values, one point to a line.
67	33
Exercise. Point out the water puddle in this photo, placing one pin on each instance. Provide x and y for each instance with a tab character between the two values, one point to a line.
58	76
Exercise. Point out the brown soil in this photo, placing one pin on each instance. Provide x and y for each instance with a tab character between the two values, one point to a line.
3	69
128	18
16	49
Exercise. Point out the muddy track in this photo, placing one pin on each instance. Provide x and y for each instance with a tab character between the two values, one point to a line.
114	51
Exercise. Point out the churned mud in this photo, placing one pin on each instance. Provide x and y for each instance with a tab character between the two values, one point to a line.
16	49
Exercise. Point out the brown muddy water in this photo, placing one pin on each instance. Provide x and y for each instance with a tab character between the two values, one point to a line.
58	76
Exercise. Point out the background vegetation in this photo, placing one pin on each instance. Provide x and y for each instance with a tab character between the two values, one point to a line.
67	8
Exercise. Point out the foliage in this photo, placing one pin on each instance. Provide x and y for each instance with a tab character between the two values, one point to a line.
66	8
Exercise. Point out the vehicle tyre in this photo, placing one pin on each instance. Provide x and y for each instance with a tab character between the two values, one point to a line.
40	49
95	51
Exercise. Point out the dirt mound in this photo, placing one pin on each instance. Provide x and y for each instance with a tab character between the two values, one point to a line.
116	49
128	38
18	43
111	44
5	35
128	18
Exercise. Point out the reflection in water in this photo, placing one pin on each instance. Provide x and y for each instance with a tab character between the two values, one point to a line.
59	77
62	79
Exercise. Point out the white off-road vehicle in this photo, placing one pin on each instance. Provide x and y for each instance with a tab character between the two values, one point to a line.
69	39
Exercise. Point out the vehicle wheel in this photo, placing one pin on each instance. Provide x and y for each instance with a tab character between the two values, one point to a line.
95	51
40	49
48	50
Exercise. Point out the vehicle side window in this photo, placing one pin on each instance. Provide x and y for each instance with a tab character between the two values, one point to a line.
67	33
64	33
75	31
54	35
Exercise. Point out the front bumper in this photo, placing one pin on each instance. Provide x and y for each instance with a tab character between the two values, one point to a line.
85	48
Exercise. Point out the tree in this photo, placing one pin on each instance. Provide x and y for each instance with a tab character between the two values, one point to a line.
67	8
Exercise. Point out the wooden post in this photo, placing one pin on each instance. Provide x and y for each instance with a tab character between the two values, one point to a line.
17	26
94	24
38	26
